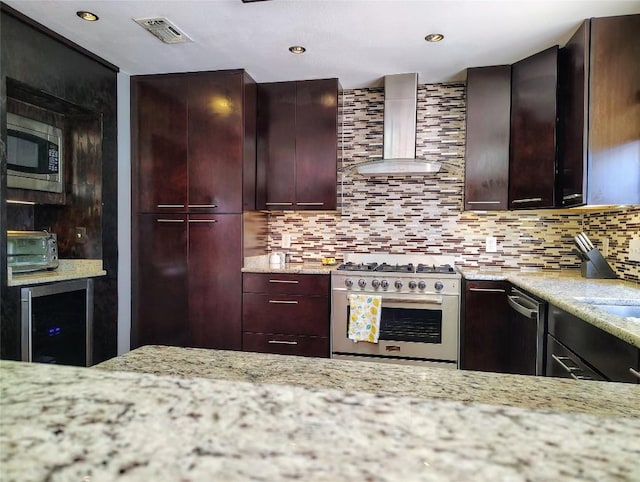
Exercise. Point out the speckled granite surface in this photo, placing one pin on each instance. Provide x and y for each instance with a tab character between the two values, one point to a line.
66	423
67	270
260	264
570	291
617	399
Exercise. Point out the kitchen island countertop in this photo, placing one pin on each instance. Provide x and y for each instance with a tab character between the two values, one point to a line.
68	423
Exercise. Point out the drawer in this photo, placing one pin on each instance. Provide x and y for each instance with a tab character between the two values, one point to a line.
286	344
287	314
301	284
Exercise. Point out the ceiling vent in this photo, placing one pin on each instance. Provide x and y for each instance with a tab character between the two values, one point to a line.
163	29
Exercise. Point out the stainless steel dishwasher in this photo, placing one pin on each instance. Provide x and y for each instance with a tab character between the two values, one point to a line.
527	326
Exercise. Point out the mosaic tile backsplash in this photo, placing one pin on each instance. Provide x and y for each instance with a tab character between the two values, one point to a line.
423	214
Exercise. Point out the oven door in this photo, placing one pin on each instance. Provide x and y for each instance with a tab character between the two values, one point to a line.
411	326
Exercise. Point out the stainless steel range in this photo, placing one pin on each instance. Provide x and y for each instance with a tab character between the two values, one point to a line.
420	299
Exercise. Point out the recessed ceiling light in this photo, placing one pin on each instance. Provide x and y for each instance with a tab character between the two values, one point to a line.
297	49
434	37
88	16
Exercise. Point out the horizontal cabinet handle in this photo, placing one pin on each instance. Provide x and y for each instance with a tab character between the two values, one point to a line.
560	360
487	290
170	220
424	301
484	202
170	205
282	342
202	221
202	206
279	204
634	373
310	204
580	377
283	302
286	281
528	200
572	196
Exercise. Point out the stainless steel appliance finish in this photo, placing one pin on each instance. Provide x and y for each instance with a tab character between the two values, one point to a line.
57	323
35	155
563	363
31	251
527	325
420	308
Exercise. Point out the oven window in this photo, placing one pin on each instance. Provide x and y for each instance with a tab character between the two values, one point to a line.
409	324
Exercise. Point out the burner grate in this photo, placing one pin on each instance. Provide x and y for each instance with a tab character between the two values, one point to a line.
396	268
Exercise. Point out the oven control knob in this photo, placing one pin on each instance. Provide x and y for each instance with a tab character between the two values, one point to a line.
385	284
438	285
362	283
412	285
348	282
398	284
375	283
422	285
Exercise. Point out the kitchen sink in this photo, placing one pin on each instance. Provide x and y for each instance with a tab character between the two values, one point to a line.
624	308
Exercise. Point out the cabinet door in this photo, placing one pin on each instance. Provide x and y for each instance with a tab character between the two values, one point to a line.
215	280
159	137
573	79
161	297
532	169
215	142
486	179
316	144
614	111
485	334
276	150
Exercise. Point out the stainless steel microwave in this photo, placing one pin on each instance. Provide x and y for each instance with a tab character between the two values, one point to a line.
34	155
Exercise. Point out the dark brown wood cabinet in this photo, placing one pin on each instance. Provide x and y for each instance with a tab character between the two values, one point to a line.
193	174
485	330
486	181
286	313
297	145
534	112
599	75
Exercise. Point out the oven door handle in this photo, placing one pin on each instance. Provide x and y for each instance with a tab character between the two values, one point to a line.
422	301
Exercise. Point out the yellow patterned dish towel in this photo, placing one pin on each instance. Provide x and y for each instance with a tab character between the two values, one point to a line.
364	318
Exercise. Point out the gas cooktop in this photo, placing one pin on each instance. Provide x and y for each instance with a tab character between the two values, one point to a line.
397	268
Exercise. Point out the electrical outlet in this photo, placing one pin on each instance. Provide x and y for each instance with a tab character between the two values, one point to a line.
81	235
491	244
286	240
634	249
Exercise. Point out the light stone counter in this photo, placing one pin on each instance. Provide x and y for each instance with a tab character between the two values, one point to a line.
82	424
602	398
68	269
569	291
260	264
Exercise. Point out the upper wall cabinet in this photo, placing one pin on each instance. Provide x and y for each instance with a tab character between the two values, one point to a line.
194	142
487	150
600	113
297	145
532	166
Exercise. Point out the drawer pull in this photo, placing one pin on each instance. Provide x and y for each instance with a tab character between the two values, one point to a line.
310	204
202	205
283	302
170	205
580	377
279	204
483	202
170	220
487	290
528	200
634	373
291	282
282	342
202	221
571	196
561	359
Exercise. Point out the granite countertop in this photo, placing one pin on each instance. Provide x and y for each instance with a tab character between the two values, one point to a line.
68	269
602	398
67	423
260	264
571	292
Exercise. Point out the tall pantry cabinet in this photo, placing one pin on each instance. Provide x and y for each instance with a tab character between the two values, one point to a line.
193	175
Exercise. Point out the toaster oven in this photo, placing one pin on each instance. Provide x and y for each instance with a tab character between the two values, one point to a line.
31	251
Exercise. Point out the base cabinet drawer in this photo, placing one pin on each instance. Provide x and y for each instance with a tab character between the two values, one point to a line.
288	314
299	284
286	344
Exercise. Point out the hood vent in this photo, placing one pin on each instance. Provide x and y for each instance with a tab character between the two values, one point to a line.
400	111
163	29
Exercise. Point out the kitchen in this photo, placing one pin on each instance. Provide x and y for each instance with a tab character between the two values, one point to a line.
391	225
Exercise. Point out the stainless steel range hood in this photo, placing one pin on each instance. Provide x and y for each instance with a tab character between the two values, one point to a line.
400	110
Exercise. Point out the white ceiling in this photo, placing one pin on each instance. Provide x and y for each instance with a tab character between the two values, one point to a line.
358	41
